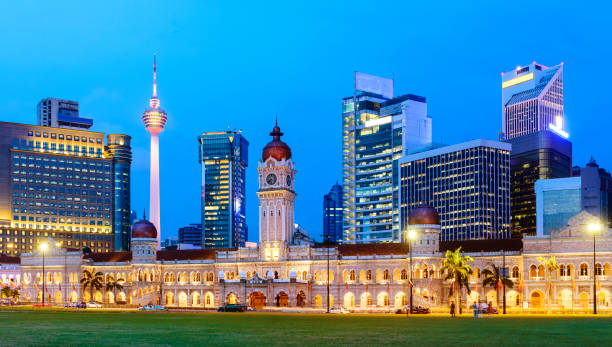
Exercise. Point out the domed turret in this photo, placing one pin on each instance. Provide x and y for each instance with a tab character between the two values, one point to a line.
144	229
423	215
276	148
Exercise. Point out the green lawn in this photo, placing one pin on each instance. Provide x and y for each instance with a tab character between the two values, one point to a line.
237	329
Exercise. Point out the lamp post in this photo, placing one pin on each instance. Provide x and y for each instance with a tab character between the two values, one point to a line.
411	236
594	229
327	242
43	248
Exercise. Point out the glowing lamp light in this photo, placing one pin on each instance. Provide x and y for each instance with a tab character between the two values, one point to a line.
43	246
594	227
412	235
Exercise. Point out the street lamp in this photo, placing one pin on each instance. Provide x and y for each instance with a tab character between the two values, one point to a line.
412	235
594	228
43	248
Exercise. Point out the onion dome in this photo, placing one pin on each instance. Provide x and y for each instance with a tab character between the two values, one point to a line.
144	229
423	215
276	148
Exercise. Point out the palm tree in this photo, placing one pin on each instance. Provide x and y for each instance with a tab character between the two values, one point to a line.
495	279
7	292
457	271
551	266
92	280
112	284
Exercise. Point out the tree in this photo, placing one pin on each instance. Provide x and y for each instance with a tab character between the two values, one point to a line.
457	271
494	279
550	264
92	280
112	284
7	292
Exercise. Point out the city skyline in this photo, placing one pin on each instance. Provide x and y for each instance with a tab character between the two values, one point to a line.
116	81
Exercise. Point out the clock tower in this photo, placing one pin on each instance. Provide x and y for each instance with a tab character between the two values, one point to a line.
276	198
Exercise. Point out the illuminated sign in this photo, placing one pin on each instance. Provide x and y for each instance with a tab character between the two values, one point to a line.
518	80
378	121
557	130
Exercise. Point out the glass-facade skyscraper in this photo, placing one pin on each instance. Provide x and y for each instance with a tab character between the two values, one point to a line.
467	183
119	150
224	159
377	128
332	214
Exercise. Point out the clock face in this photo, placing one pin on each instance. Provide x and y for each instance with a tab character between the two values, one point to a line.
288	180
271	179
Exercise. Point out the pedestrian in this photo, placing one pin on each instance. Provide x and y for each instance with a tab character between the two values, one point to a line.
490	309
475	309
452	309
484	309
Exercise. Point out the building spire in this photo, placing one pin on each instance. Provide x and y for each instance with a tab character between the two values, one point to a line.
144	214
155	75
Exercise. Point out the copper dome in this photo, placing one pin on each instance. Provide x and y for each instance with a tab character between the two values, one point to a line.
423	215
276	148
144	229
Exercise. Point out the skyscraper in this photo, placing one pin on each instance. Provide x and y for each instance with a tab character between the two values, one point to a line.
540	155
332	214
58	113
532	100
467	183
224	157
62	183
154	119
377	128
119	150
533	122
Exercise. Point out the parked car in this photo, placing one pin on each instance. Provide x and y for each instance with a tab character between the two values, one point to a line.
233	308
93	305
415	310
152	308
41	305
6	302
338	310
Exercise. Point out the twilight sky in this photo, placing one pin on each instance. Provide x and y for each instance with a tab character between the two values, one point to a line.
236	64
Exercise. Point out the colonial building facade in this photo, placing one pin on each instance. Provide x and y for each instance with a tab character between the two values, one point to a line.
361	277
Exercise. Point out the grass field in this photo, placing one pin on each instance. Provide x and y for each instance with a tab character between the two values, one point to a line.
136	328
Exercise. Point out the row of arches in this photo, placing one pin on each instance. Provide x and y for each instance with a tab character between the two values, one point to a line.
567	270
182	299
381	275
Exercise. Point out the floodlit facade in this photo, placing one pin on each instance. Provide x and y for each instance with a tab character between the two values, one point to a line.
224	157
65	184
532	100
154	119
377	129
468	183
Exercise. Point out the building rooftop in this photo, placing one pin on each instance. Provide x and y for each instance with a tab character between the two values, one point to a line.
109	257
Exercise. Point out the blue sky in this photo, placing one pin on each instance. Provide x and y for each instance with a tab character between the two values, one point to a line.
237	64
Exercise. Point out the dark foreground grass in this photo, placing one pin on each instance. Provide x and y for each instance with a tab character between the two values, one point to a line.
238	329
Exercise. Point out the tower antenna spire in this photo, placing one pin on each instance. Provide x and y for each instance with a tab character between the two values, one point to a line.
154	75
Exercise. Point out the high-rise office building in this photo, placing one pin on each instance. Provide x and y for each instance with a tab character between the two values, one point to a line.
58	113
332	214
377	128
191	234
154	119
61	183
539	155
119	150
467	183
533	122
532	100
224	159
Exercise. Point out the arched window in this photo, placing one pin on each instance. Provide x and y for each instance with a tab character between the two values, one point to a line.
598	269
533	271
425	273
386	276
569	270
515	272
304	275
562	270
369	275
352	275
584	269
345	276
404	275
316	275
541	271
275	274
198	277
